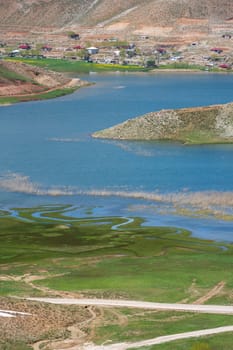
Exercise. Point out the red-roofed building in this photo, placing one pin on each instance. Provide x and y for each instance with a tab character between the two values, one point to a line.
225	65
216	49
24	47
46	48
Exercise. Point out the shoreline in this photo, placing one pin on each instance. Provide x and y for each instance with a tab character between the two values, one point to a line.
65	89
76	83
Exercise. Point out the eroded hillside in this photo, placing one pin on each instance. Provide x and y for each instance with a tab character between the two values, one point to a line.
170	19
17	79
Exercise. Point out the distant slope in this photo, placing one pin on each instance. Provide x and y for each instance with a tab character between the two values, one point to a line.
176	15
51	13
190	125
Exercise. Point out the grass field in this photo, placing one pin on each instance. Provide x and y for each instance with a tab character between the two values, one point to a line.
69	65
65	65
149	325
56	254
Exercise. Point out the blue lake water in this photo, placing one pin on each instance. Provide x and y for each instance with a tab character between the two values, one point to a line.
48	156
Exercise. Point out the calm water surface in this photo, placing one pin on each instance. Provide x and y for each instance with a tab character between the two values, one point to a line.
46	146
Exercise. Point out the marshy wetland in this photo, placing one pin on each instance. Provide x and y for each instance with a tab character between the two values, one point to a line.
45	251
82	217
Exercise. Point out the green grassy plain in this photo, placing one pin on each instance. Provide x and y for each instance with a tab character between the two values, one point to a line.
68	65
148	325
75	66
89	256
147	263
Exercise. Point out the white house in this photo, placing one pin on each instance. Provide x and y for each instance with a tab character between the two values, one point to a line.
92	50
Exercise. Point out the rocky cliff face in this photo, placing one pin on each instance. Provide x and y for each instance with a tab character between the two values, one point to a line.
190	125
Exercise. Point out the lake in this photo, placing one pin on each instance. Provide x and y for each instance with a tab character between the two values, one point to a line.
48	155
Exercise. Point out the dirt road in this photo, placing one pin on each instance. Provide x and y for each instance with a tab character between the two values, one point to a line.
158	340
212	309
215	309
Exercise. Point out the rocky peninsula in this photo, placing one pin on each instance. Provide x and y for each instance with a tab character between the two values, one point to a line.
209	124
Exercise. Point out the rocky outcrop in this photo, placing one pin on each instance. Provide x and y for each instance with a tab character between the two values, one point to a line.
189	125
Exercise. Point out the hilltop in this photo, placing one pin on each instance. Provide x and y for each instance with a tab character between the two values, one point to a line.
211	124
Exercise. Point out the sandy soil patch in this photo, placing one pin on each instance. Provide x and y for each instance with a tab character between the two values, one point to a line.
118	26
156	31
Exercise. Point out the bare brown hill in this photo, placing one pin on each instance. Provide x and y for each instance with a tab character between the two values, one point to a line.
159	18
17	79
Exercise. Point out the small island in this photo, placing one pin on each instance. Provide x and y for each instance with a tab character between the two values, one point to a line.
196	125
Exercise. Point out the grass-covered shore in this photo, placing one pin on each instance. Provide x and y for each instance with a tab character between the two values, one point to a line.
81	67
76	66
21	82
37	97
61	66
52	253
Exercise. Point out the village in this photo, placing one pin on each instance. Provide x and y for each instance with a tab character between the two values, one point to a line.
141	50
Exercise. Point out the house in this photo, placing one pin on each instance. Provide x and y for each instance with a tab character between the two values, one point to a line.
117	53
112	39
226	36
14	53
46	48
24	47
78	47
161	50
144	37
216	49
225	65
92	50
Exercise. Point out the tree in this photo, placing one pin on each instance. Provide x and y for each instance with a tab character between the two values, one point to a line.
122	54
83	54
73	35
150	62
